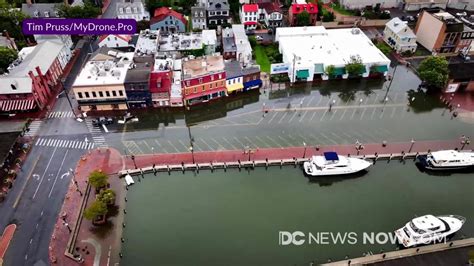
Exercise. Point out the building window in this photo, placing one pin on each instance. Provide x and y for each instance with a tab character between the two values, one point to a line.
86	94
107	93
220	76
101	94
188	83
94	95
79	95
114	93
195	89
203	88
200	80
120	93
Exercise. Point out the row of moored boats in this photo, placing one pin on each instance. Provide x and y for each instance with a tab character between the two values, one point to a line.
421	230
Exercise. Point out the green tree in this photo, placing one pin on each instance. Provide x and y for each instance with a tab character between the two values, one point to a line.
252	41
98	179
97	208
7	56
303	19
328	16
10	20
88	10
107	196
330	71
384	48
355	67
434	71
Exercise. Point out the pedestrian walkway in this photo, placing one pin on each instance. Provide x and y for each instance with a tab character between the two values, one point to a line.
34	128
61	114
96	133
62	143
5	239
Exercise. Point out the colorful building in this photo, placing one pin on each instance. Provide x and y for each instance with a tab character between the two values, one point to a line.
160	82
31	80
270	14
300	6
203	79
234	77
137	82
251	77
249	16
167	20
114	40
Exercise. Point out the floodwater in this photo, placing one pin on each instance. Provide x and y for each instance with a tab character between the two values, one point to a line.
234	217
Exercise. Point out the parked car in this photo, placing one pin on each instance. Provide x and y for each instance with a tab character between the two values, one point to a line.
259	38
102	121
461	14
411	19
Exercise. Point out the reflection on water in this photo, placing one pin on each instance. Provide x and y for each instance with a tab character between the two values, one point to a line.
324	181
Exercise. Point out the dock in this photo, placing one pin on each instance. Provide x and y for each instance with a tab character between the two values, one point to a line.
254	163
449	253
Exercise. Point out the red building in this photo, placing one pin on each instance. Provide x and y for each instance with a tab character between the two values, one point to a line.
160	84
300	6
203	79
28	85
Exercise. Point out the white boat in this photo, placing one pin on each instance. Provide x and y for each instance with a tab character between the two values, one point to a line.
333	164
428	229
447	160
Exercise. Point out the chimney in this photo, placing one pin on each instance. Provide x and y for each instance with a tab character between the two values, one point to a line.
38	70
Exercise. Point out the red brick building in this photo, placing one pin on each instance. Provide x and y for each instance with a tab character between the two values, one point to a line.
300	6
29	83
203	79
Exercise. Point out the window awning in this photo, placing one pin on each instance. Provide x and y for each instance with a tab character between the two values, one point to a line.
17	105
319	69
381	69
339	71
302	74
234	87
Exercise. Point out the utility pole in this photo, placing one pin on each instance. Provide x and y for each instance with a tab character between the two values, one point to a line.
67	95
391	80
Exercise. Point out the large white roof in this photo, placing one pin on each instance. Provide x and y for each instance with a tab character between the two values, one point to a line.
317	45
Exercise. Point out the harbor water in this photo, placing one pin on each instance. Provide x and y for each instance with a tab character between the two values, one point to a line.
235	217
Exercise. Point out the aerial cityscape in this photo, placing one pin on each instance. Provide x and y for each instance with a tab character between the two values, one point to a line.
236	132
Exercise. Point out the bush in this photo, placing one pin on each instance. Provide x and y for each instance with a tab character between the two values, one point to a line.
98	179
384	48
355	67
107	196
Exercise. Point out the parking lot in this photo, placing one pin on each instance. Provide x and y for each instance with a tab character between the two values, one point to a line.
312	117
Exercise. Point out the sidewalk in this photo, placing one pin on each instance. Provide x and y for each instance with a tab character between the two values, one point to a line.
142	161
108	160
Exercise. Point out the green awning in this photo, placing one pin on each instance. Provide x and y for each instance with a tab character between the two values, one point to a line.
339	71
381	69
318	69
302	74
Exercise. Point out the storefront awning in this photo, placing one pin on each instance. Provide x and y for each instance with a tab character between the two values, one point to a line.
339	71
234	87
302	74
17	105
381	69
253	83
318	68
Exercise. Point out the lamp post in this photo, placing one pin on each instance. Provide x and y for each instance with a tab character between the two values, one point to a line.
304	152
133	159
153	150
411	146
192	153
67	95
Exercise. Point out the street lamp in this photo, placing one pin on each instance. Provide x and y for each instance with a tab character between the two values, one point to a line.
411	146
153	150
304	152
67	95
133	159
192	153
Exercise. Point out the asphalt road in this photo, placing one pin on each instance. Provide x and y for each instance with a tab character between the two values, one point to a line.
38	192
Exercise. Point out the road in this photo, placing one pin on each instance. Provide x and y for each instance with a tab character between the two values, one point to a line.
37	195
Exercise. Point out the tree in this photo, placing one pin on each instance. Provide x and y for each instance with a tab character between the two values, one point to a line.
107	196
330	71
434	71
355	67
384	48
328	16
88	10
10	20
97	208
303	19
252	41
98	179
7	56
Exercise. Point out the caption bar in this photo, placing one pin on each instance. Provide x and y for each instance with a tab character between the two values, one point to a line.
79	26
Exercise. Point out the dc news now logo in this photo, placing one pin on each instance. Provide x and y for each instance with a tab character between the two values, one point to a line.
298	238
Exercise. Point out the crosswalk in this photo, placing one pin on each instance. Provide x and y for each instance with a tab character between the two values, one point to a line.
61	114
62	143
34	128
96	133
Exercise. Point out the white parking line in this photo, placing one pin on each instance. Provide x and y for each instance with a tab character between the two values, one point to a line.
326	137
262	141
284	114
302	117
268	137
251	143
44	173
353	113
295	113
333	114
239	142
271	119
373	113
285	141
57	174
322	117
231	145
363	112
184	145
393	112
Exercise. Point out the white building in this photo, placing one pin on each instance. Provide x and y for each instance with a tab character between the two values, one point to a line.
360	4
244	50
132	9
249	16
308	51
461	4
114	40
147	42
414	5
399	36
188	41
65	38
